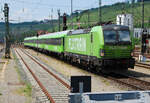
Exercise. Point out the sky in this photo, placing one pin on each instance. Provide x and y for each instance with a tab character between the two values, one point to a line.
31	10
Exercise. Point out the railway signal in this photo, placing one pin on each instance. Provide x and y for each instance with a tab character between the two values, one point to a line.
64	22
144	37
144	33
7	36
59	19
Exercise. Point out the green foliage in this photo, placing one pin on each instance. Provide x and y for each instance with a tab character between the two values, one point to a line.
109	13
26	90
137	41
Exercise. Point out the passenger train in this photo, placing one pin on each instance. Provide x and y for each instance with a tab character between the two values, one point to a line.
101	48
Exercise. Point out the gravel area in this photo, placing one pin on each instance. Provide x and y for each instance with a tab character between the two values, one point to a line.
10	85
99	84
37	94
58	92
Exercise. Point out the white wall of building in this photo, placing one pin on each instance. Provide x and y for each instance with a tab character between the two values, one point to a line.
125	19
138	32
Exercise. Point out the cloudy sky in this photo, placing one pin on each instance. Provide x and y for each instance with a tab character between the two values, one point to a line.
29	10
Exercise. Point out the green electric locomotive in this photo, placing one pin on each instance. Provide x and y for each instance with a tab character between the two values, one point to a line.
103	48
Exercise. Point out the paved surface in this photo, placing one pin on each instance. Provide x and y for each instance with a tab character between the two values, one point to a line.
10	85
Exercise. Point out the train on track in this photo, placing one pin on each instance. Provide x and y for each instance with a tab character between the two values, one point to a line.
102	48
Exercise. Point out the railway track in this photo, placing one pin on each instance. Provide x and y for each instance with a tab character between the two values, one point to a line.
55	88
132	82
62	94
143	65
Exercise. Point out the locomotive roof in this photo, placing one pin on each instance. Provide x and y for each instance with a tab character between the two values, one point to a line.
115	27
79	31
106	27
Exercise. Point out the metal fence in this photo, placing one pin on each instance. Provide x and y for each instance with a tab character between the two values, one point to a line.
118	97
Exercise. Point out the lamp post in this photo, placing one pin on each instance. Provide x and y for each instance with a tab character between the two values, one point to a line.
100	12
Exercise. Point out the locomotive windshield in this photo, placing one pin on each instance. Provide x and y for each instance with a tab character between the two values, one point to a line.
124	36
117	36
110	36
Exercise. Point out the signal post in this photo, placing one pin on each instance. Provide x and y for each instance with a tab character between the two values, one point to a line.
7	35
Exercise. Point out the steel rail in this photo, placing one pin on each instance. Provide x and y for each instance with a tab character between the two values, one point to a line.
46	69
147	66
125	83
38	81
133	85
138	65
142	81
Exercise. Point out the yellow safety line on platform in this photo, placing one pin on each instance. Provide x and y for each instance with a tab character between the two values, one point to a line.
2	73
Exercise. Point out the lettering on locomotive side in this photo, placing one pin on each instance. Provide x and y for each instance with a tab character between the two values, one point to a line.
55	48
78	44
46	47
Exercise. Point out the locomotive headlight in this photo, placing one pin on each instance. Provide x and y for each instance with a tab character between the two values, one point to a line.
102	52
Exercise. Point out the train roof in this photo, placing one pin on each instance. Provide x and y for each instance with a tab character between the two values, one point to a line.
105	27
115	27
49	35
79	31
54	35
29	38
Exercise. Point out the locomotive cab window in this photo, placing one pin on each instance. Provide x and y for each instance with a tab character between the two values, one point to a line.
124	36
117	36
110	36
